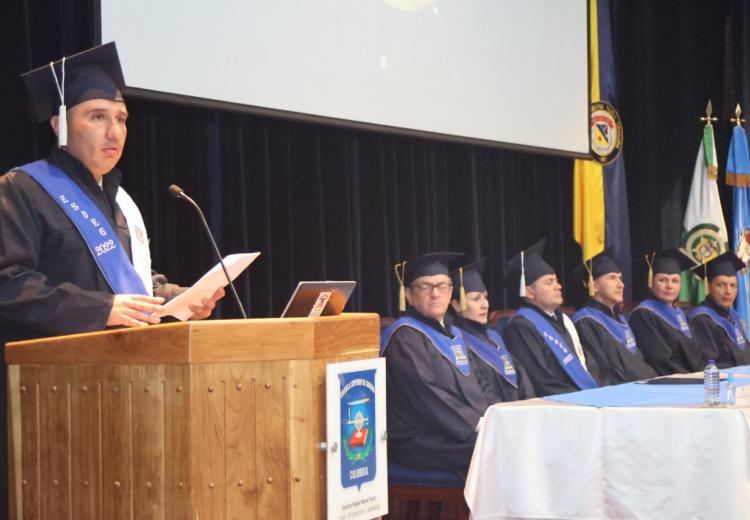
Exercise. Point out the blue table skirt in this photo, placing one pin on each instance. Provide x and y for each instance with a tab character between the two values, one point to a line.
640	394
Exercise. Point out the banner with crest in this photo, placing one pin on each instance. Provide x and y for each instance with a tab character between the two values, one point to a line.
357	461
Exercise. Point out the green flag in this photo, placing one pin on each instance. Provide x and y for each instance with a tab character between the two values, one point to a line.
704	233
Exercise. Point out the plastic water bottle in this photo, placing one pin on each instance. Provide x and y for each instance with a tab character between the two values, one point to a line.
731	390
711	396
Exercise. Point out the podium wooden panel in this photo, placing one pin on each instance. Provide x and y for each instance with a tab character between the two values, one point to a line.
183	421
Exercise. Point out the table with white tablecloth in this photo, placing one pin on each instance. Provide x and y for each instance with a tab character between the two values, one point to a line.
542	459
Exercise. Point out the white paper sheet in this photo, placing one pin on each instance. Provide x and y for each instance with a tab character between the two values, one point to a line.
179	307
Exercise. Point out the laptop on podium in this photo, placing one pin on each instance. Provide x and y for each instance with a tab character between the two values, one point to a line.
312	299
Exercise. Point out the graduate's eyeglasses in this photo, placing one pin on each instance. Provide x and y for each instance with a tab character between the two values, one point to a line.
441	287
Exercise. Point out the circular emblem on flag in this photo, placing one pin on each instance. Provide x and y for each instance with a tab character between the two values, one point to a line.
606	132
703	243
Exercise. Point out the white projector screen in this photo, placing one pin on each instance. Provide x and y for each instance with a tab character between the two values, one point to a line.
513	72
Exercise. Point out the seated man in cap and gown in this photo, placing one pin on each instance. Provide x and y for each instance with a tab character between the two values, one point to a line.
504	377
605	334
716	326
74	253
540	336
661	328
436	396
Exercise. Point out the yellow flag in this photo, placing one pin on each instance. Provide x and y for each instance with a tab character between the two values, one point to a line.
588	181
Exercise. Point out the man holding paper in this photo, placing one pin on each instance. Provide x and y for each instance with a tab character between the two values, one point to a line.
74	253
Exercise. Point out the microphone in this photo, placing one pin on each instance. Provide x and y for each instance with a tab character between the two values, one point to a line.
177	193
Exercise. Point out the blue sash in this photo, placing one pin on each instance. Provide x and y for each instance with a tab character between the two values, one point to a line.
93	226
673	316
618	329
733	330
565	357
453	349
495	355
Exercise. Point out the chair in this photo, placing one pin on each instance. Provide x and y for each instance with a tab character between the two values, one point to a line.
498	319
429	495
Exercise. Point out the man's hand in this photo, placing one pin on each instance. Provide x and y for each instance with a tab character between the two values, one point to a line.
207	307
130	310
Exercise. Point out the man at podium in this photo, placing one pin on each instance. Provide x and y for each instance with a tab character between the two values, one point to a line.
74	253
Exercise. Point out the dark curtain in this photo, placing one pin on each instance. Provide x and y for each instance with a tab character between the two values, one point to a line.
671	59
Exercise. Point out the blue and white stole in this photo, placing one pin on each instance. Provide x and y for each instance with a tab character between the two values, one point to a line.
565	357
95	229
495	355
453	349
733	330
618	328
673	316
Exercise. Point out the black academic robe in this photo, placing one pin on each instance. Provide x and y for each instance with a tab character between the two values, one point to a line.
526	345
714	341
50	283
619	364
494	384
665	348
433	409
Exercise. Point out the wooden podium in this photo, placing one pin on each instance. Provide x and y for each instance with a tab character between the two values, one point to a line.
183	421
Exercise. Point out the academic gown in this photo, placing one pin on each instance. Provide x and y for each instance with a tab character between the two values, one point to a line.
494	384
714	340
526	344
50	283
433	409
619	364
664	347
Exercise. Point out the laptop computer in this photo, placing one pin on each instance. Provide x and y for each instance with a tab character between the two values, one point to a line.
311	299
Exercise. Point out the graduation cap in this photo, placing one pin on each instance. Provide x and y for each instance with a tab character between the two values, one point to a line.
726	264
668	261
528	266
91	74
468	278
596	266
428	264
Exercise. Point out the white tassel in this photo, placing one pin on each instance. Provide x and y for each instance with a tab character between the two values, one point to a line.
522	290
62	127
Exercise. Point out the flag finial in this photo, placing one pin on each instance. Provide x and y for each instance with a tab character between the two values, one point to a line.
709	118
737	120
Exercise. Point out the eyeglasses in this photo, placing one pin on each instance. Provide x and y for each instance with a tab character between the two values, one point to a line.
442	287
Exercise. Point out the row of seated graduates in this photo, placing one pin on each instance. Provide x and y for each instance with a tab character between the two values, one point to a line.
438	496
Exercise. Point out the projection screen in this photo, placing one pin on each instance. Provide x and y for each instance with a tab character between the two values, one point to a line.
507	72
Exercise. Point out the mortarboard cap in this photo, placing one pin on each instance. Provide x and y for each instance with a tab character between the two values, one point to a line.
91	74
597	266
668	261
528	266
726	264
428	264
468	278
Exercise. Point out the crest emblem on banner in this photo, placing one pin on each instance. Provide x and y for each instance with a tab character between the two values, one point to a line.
358	432
606	132
703	243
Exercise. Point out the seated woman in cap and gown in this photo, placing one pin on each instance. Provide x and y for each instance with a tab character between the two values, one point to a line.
661	328
503	377
717	327
542	338
436	396
605	334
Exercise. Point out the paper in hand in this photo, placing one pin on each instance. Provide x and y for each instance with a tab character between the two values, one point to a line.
179	307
